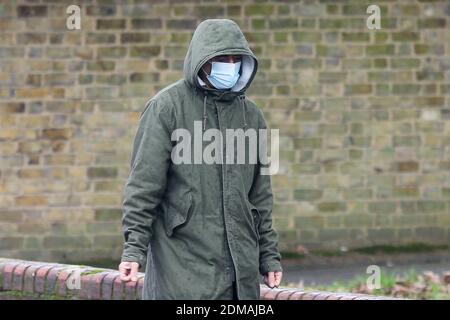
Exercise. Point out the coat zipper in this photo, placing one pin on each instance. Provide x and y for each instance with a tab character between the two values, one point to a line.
223	207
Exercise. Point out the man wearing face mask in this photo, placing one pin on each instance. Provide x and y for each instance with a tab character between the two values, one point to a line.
221	72
203	231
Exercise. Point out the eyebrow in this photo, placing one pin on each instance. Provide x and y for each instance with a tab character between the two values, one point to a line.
225	56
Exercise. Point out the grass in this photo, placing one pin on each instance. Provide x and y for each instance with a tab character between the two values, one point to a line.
19	295
93	271
411	285
98	263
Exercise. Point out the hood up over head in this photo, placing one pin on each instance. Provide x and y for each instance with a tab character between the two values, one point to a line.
215	37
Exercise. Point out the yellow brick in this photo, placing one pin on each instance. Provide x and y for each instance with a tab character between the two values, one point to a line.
31	201
80	186
136	65
31	93
80	214
101	199
55	214
8	187
77	172
63	133
35	93
30	146
57	186
84	158
59	159
6	201
8	148
31	173
34	121
10	134
39	65
7	120
33	187
58	173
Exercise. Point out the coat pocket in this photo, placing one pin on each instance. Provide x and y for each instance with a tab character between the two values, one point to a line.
177	215
256	218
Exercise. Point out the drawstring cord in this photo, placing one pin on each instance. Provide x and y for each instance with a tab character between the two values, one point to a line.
241	101
204	112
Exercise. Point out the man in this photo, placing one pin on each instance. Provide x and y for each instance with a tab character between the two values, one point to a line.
203	231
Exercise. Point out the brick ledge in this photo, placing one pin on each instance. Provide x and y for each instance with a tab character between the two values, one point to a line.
43	279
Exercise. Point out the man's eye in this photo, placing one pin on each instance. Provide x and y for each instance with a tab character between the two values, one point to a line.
224	59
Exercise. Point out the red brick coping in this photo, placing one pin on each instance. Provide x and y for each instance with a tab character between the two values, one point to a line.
21	279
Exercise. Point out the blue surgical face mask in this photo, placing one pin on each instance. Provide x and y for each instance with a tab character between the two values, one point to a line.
224	75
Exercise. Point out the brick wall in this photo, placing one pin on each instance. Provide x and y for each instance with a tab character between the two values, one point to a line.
363	117
21	279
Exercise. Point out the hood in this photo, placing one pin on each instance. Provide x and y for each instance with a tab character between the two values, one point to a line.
214	37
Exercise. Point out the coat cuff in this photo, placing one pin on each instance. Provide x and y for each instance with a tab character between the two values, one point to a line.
267	266
134	257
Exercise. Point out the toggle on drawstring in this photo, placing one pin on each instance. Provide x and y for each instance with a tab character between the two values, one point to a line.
241	101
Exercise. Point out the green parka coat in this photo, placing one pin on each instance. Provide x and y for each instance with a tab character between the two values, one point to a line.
198	227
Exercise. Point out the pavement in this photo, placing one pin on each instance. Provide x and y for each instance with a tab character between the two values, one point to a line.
327	270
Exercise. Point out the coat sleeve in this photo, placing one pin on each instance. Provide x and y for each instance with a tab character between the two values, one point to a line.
146	183
261	197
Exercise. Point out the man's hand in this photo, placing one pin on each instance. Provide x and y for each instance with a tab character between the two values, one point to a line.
128	271
273	278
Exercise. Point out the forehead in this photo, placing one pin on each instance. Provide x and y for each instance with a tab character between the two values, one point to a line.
226	56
